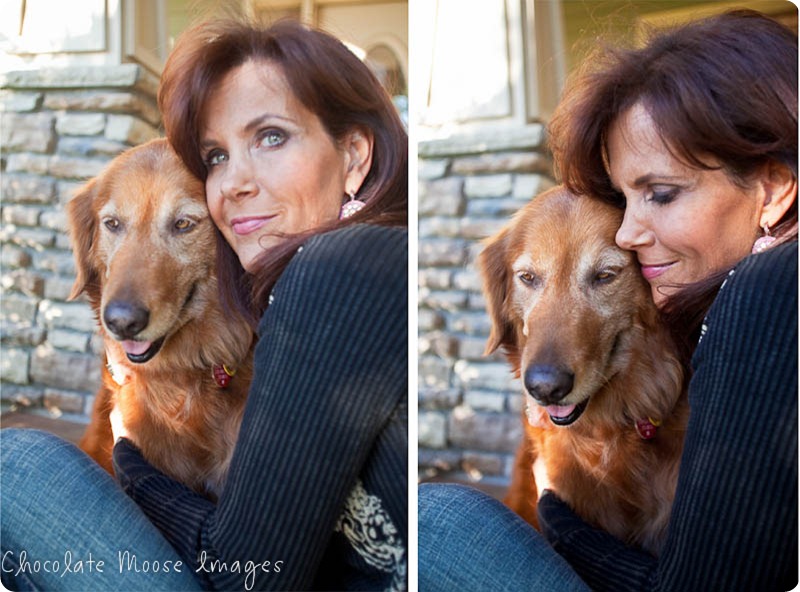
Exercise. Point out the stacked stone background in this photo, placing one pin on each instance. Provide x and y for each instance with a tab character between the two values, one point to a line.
469	404
58	128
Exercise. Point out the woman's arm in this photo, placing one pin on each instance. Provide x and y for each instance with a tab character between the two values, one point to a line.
734	520
330	369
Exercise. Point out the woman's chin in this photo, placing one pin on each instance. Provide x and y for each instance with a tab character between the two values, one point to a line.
661	293
249	252
248	257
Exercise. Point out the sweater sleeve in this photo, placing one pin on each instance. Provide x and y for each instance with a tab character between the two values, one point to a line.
734	520
330	370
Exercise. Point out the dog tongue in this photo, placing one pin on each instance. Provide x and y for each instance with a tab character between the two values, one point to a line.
136	348
560	410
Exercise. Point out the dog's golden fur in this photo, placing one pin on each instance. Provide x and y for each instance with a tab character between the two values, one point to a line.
562	295
142	237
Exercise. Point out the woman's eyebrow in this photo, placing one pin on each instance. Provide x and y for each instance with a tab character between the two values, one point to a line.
650	177
643	180
258	121
207	143
250	126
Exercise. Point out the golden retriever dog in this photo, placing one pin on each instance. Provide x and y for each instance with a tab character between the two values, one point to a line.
178	365
605	405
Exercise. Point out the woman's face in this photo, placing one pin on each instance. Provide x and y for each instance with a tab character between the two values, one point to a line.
272	167
683	223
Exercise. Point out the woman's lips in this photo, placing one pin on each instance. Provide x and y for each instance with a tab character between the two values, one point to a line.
244	226
651	272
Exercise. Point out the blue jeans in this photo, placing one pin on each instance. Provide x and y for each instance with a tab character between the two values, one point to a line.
470	541
67	525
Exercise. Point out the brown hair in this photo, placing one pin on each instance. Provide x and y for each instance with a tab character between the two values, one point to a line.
724	87
330	81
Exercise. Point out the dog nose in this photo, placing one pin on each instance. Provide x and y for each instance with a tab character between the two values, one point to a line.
125	319
548	384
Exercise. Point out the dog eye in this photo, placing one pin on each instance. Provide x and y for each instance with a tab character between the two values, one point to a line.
526	277
112	223
183	225
604	276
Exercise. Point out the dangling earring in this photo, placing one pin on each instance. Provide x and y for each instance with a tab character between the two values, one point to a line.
350	207
763	243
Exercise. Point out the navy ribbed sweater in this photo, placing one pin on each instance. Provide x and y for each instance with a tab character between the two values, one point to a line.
734	521
318	483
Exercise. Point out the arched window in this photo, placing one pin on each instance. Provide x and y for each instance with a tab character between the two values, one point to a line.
386	66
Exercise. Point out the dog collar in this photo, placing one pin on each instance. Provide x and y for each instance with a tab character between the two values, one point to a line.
222	373
646	428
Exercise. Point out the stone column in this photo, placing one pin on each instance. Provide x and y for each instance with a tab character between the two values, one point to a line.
482	156
58	128
469	404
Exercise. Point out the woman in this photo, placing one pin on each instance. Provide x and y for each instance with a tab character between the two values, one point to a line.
305	164
695	135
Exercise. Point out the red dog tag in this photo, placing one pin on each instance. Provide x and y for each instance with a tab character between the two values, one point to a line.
646	429
222	375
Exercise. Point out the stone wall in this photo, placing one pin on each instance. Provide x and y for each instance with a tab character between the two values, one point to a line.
469	404
58	128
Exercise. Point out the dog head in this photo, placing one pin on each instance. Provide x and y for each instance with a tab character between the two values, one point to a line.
144	248
565	301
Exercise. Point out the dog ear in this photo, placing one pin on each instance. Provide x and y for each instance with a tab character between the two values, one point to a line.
82	226
661	374
494	271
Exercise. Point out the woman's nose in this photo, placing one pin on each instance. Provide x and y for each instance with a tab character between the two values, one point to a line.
633	232
238	181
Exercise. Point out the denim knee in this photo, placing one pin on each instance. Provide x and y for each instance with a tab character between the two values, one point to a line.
438	500
436	493
19	440
468	540
23	450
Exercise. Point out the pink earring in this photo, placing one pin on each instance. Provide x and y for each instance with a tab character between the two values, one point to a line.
763	243
350	207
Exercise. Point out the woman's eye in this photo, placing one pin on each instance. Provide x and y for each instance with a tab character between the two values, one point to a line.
663	194
215	157
113	224
183	224
271	138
